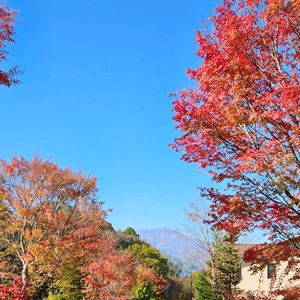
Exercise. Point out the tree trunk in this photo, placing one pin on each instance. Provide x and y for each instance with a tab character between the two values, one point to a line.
24	274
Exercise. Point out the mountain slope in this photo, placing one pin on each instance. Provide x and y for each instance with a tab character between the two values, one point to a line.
169	242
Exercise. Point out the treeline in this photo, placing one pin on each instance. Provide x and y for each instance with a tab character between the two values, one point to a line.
55	242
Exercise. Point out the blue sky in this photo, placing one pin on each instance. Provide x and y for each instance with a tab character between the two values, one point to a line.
94	97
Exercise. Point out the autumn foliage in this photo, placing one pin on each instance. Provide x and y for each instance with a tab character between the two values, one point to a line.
48	216
109	273
55	240
241	120
7	24
15	291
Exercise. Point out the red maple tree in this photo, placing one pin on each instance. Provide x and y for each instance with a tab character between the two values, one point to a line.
108	273
7	24
241	120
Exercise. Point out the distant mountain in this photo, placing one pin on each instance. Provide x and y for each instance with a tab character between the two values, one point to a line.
170	243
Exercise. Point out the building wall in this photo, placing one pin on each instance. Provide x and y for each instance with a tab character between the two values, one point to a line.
260	282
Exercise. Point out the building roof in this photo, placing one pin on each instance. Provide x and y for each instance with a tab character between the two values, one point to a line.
244	247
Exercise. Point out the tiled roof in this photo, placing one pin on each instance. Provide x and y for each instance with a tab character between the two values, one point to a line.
243	247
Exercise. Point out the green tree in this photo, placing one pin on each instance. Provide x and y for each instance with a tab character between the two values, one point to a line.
224	266
153	268
131	232
145	291
144	253
150	257
127	238
68	285
204	289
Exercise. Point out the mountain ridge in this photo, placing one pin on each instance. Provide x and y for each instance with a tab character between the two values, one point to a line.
168	241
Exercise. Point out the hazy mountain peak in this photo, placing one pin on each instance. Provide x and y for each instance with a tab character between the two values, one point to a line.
168	241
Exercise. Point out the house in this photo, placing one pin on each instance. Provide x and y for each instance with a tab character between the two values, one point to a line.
271	278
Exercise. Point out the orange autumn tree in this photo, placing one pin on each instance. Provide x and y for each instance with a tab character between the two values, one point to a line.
241	120
50	219
7	24
44	209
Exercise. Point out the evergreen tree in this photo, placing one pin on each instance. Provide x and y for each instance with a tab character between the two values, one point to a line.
224	266
204	288
131	232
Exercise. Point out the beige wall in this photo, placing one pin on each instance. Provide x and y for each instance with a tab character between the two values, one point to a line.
260	282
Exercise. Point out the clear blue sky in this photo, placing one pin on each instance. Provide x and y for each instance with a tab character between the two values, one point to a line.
94	97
